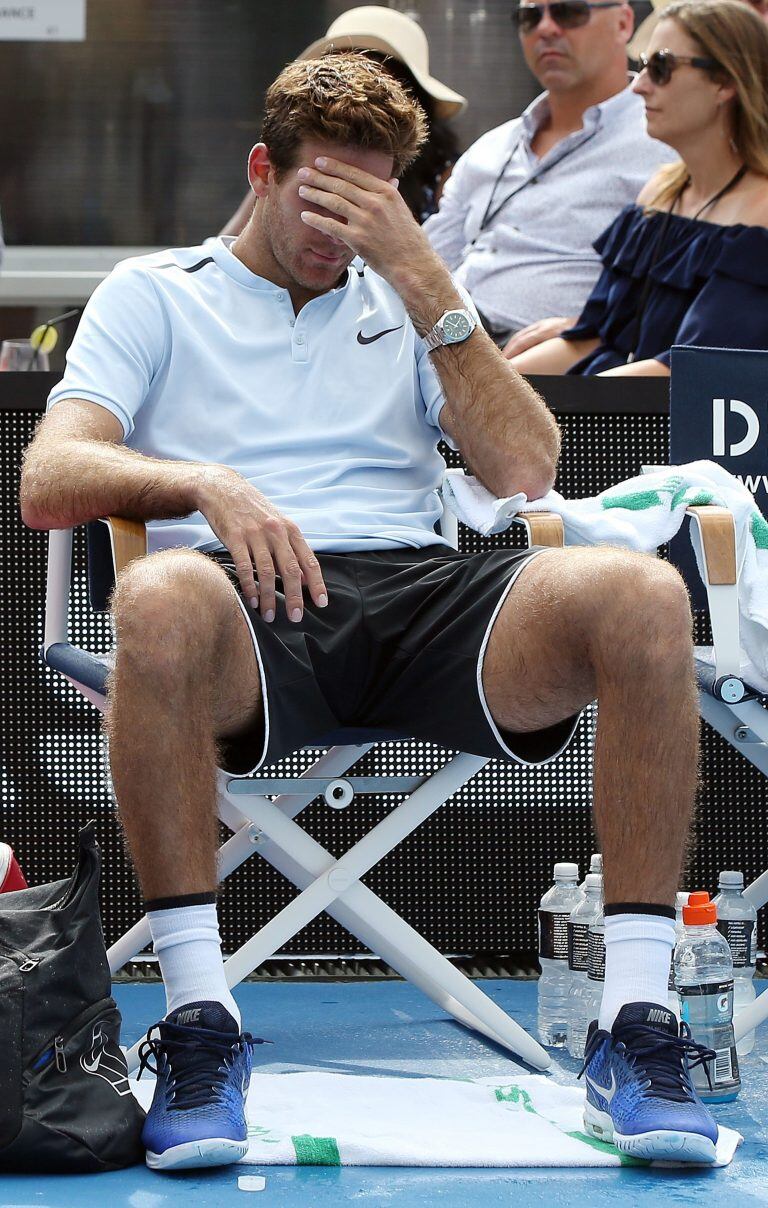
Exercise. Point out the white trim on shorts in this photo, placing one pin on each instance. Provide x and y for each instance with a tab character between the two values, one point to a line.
264	697
481	658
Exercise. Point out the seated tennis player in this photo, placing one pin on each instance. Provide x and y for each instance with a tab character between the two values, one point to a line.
272	406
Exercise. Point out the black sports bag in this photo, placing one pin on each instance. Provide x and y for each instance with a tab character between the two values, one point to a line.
65	1102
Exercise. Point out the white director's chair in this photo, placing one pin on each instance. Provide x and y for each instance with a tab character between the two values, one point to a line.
261	812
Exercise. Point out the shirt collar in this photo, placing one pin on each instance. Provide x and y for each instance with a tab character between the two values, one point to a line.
232	265
609	110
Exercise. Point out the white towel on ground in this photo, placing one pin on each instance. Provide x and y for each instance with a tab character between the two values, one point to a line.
642	513
329	1119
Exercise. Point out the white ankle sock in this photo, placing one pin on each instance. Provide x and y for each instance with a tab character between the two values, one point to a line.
186	941
638	949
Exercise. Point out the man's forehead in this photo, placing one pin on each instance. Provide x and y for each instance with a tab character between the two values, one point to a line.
376	163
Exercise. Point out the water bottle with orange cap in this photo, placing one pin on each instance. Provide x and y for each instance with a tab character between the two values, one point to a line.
704	981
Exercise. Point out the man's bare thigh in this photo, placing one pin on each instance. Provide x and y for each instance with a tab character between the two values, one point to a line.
538	669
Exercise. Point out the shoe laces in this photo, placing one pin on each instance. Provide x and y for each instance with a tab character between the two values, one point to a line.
664	1059
198	1060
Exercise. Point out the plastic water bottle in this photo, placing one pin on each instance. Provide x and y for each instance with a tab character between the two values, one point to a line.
578	962
595	865
554	910
737	921
673	1000
704	979
595	968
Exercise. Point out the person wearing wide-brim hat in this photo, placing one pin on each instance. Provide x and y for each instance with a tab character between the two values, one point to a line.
372	27
400	44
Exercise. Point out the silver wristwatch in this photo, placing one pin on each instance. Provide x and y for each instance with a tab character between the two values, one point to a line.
453	327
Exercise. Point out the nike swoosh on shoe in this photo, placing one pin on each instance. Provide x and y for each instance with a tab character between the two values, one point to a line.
605	1092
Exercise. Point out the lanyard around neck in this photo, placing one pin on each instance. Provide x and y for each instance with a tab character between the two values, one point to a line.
731	184
491	212
659	244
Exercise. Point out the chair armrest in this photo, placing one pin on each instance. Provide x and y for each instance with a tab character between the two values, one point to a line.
717	534
128	540
718	542
542	528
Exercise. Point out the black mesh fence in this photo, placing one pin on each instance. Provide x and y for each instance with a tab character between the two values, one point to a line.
468	879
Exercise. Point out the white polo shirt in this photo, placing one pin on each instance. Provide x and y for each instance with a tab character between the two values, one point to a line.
331	413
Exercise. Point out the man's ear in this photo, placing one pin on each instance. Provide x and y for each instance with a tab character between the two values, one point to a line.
626	22
259	169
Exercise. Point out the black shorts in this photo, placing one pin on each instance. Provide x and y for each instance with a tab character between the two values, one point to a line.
397	653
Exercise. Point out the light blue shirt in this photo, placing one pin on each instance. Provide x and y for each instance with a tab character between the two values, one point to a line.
332	414
532	258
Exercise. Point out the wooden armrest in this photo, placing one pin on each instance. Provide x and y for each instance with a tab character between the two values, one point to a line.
718	540
128	539
543	528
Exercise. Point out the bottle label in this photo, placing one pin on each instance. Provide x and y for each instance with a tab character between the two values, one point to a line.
578	946
553	935
708	1010
740	934
596	958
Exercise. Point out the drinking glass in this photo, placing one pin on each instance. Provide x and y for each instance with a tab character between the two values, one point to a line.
19	356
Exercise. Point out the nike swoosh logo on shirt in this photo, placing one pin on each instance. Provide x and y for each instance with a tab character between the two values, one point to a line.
606	1092
361	339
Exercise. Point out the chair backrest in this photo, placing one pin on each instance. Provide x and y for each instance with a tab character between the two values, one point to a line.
719	412
101	567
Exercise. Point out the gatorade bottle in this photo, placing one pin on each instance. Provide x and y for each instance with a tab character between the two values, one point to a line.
737	921
554	983
578	962
704	980
595	865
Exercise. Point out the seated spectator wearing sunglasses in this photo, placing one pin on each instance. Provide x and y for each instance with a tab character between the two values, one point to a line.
526	253
688	264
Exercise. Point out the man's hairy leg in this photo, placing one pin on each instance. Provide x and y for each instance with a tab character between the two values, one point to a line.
185	675
598	623
607	624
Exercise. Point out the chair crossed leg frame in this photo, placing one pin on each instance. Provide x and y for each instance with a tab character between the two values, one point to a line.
267	826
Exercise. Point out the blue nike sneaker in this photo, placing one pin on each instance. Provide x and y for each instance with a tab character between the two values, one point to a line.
203	1067
639	1090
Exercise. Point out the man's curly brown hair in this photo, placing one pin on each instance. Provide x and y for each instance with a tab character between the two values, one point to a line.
346	99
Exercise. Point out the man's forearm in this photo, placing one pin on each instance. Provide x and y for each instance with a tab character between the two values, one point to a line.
504	429
80	480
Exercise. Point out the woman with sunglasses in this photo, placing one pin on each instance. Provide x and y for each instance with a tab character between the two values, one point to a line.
688	263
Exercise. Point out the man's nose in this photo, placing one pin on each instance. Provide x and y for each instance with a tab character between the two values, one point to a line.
548	27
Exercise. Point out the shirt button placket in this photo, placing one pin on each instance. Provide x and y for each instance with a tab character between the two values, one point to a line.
299	345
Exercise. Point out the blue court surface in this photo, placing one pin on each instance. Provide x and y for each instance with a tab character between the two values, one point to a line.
391	1028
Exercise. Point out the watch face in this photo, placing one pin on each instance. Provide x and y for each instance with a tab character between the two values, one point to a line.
456	326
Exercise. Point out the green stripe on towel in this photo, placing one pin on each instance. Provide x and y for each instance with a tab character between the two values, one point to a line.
607	1147
316	1151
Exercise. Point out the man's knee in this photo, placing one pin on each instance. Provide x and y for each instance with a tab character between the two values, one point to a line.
639	608
167	610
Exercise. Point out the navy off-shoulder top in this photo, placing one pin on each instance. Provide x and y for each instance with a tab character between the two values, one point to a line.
709	287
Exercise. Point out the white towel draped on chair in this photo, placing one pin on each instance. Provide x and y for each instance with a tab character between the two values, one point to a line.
642	513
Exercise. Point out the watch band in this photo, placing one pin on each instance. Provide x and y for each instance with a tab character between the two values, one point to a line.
436	338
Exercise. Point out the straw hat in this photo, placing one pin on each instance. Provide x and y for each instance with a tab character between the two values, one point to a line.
372	27
642	34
